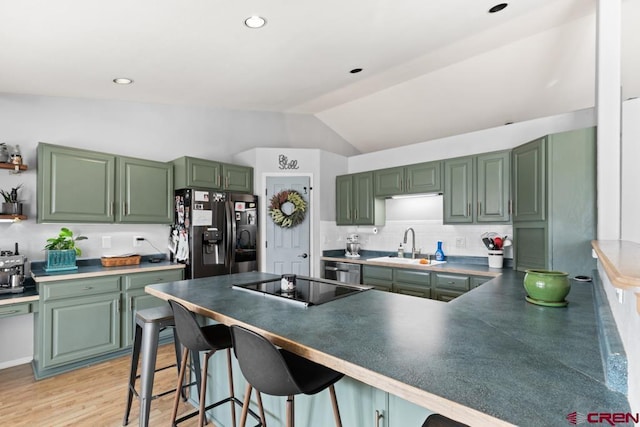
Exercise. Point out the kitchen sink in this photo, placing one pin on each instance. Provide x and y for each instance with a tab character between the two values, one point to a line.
403	261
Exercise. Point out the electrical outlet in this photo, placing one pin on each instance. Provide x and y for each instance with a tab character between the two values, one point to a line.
106	242
137	241
620	295
461	242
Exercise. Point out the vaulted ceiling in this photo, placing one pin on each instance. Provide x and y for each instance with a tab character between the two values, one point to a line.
430	68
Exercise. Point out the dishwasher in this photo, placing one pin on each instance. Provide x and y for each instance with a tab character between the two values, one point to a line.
342	271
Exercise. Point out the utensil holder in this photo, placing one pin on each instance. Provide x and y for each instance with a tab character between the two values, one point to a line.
496	259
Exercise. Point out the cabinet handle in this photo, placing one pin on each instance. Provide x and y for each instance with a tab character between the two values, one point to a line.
87	288
131	303
2	313
111	208
218	181
479	208
355	214
468	209
510	210
379	416
226	182
119	306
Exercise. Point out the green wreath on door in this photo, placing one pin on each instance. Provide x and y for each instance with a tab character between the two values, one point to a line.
287	208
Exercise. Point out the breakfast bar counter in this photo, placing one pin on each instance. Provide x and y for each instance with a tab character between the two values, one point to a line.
486	358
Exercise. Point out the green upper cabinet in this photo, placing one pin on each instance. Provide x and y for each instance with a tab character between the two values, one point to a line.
458	190
84	186
344	199
529	182
412	179
75	185
193	172
555	202
477	189
237	178
493	195
389	182
355	202
145	190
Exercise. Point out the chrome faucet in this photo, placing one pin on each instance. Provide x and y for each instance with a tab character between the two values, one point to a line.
413	241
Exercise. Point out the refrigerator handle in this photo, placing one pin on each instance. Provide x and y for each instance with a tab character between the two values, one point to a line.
231	234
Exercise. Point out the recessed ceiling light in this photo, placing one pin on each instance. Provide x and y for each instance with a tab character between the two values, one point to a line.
255	22
498	7
355	70
123	81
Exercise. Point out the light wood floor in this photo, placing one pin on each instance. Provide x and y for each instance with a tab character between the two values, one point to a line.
92	396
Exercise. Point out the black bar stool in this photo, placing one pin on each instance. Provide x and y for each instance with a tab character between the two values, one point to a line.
195	338
278	372
437	420
149	323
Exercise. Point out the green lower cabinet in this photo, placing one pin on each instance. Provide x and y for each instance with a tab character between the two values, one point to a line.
359	404
381	278
477	281
137	299
84	320
80	328
11	310
420	283
450	286
412	282
403	413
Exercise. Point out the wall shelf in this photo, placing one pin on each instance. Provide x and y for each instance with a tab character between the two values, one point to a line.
13	168
12	218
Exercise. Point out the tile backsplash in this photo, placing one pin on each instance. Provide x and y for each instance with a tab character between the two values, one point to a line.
459	240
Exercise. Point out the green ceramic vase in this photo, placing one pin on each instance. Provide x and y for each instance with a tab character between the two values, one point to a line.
547	285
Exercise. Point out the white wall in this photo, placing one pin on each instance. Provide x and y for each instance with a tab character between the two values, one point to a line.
625	313
483	141
149	131
630	171
320	165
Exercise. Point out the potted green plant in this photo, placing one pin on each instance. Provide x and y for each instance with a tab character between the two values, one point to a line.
11	204
62	251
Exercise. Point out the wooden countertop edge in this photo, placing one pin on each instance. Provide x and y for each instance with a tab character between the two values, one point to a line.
442	268
419	397
108	271
19	300
613	255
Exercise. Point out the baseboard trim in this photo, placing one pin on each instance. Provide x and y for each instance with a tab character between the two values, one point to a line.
16	362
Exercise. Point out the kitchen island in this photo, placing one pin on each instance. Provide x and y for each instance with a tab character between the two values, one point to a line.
486	358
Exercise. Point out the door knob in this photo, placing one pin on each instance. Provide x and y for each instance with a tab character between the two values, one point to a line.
303	255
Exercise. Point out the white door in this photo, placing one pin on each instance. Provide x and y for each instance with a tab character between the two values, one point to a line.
287	248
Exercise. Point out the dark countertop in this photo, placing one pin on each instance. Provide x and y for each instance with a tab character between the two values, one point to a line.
486	352
94	268
29	294
458	264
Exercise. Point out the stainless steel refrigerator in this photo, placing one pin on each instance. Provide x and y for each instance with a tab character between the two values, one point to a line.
215	233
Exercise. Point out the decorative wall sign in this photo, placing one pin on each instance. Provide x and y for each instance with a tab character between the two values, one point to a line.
287	208
285	163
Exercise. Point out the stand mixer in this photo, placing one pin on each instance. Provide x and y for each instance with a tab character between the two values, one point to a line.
353	246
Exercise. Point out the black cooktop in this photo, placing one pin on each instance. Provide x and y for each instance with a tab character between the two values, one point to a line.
307	291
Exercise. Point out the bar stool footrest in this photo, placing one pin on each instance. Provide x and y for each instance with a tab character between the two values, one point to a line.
216	404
